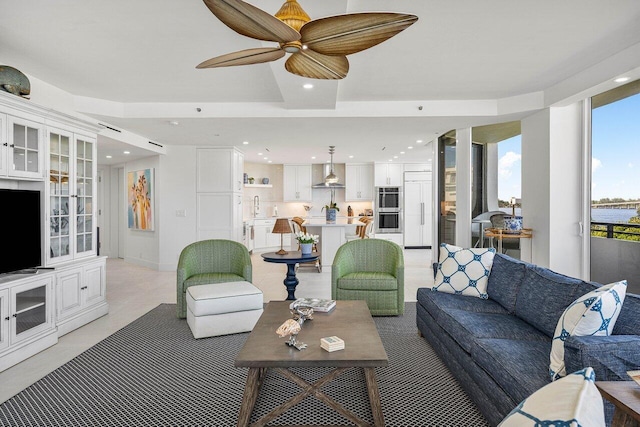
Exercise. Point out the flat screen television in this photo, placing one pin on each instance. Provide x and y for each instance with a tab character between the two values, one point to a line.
21	243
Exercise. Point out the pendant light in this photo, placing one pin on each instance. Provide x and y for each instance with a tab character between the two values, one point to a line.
331	178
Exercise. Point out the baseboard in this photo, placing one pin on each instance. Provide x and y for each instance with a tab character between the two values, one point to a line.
82	318
23	352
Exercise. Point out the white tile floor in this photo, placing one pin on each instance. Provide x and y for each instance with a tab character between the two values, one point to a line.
133	290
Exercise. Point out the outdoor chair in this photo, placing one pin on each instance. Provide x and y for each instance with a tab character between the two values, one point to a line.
211	261
370	270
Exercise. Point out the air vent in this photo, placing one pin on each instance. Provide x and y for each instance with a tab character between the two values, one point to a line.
155	143
110	128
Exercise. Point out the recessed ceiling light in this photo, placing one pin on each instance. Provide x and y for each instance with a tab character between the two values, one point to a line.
266	158
174	123
245	142
127	152
402	152
621	79
419	141
109	157
270	161
313	157
410	148
395	157
391	160
307	86
259	154
351	157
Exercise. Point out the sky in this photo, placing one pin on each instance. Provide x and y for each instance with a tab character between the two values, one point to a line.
615	154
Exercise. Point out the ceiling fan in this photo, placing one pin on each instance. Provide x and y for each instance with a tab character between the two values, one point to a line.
318	47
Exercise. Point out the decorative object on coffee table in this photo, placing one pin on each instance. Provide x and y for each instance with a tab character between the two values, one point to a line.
292	328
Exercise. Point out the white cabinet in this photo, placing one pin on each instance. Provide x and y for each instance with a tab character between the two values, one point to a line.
80	294
389	174
264	238
418	216
297	183
28	325
71	193
21	148
358	182
392	237
219	193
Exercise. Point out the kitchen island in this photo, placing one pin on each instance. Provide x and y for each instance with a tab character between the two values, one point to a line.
332	235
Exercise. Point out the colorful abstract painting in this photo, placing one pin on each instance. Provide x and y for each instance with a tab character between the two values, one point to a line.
140	208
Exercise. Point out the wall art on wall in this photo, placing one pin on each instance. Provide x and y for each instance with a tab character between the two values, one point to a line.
140	187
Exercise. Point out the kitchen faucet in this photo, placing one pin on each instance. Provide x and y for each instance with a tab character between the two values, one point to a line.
256	206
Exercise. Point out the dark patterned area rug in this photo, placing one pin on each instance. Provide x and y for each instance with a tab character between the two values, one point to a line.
154	373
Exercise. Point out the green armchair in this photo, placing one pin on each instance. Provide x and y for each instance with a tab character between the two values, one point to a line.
211	261
370	270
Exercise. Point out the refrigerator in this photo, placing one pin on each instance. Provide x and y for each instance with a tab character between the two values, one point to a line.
418	211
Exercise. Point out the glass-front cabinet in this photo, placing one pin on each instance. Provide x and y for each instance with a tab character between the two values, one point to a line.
21	152
72	168
31	309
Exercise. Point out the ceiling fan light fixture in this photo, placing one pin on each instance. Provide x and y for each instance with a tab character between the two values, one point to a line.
292	14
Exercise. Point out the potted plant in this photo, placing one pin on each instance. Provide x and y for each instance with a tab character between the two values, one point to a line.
306	241
332	210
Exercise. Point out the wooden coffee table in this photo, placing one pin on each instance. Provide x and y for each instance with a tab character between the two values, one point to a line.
625	396
264	350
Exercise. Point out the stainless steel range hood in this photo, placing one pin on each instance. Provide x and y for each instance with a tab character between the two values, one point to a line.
320	172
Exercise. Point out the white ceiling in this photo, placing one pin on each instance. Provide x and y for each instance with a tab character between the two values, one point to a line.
131	64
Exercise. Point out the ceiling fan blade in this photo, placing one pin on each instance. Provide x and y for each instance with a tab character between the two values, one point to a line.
351	33
244	57
252	22
314	65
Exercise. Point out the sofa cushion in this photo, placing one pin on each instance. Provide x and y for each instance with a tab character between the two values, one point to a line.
368	280
465	327
463	271
207	278
435	302
594	313
517	366
574	400
629	320
543	296
505	280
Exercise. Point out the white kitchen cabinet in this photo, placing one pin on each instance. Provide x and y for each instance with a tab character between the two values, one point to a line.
71	194
21	148
219	193
393	237
80	294
418	216
389	174
265	239
28	326
297	183
358	182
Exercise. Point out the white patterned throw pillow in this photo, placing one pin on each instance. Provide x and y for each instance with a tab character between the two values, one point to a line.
571	401
463	271
592	314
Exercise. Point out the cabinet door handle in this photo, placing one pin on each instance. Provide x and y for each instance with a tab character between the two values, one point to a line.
83	288
15	315
6	144
12	145
7	318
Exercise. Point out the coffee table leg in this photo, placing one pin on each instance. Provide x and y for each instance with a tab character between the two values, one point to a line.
374	396
291	281
251	390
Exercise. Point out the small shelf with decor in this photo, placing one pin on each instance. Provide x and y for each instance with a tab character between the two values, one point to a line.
258	185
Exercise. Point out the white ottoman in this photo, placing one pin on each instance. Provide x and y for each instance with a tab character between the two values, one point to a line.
223	308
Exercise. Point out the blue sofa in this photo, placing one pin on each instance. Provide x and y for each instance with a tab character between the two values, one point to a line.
498	349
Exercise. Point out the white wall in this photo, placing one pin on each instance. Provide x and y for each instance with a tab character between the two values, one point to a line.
177	181
552	186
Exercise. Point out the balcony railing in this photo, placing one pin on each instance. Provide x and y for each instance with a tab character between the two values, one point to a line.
627	231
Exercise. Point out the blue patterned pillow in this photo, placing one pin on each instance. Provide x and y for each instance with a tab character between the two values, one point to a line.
463	271
571	401
594	313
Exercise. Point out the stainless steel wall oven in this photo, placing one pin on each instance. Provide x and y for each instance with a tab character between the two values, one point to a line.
388	213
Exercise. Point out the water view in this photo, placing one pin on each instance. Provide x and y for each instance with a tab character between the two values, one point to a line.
612	215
